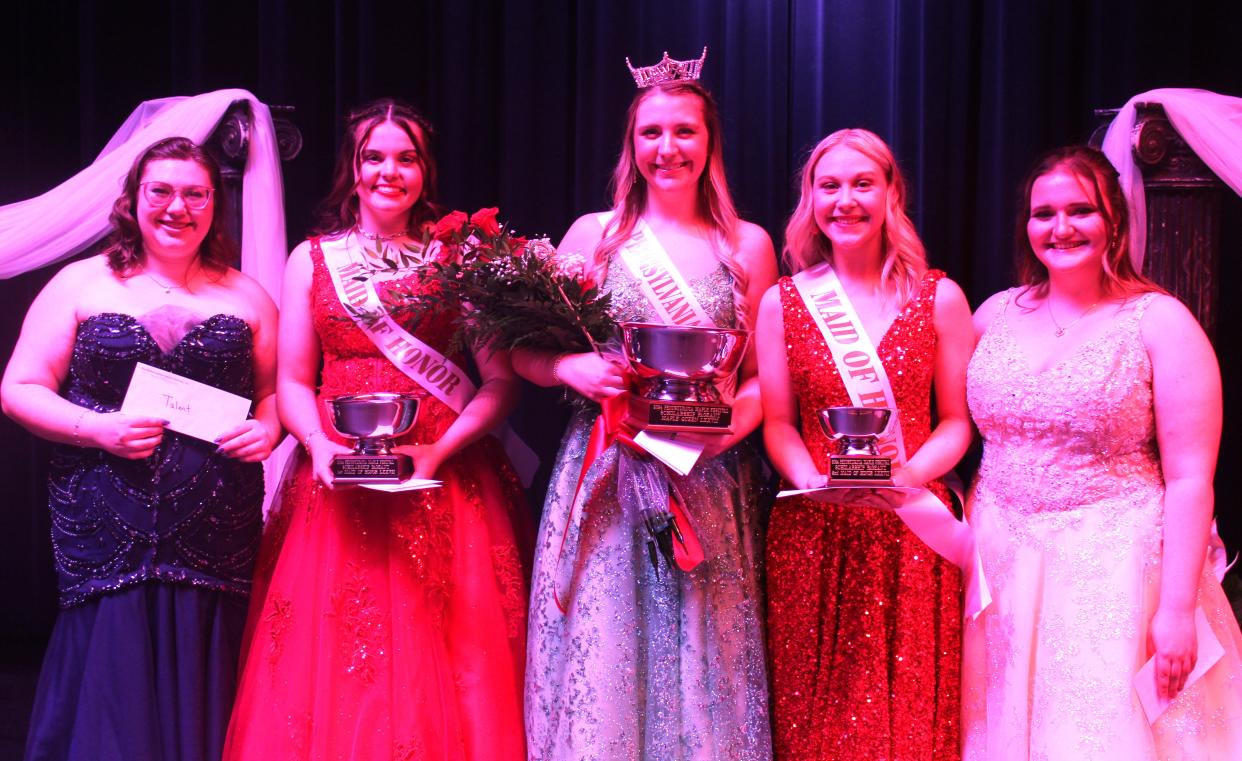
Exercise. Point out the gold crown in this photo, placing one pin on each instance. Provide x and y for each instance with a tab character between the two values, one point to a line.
667	70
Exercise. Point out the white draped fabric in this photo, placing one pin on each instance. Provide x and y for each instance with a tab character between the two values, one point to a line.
1210	123
73	215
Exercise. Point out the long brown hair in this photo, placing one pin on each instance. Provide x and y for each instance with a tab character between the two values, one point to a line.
1099	179
339	210
905	259
715	204
124	250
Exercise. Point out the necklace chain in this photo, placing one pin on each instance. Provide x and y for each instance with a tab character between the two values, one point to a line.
167	288
380	237
1060	329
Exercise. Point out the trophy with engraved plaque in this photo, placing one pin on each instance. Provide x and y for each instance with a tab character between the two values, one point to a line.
855	434
678	367
373	421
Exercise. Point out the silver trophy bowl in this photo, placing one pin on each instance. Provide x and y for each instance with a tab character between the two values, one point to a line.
857	428
682	363
373	419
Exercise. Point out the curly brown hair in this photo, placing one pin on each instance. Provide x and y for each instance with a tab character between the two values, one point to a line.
339	210
124	248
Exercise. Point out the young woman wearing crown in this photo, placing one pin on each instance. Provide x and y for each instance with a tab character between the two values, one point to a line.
628	656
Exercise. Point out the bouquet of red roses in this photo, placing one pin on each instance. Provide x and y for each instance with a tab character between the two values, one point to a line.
512	293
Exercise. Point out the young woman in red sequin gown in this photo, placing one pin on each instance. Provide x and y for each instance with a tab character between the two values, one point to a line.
383	626
863	619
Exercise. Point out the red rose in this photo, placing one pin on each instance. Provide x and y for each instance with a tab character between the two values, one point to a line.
516	244
485	220
445	253
449	227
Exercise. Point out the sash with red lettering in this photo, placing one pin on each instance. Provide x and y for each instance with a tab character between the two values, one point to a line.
659	278
430	369
855	355
434	372
867	384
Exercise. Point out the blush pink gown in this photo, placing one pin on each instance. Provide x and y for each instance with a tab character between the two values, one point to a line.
1068	508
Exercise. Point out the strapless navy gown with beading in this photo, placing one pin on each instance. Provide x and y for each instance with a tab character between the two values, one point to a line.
154	559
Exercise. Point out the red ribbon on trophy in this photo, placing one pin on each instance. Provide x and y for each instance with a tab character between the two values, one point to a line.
610	428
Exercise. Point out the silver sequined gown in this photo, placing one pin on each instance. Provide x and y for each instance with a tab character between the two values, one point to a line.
640	666
1068	509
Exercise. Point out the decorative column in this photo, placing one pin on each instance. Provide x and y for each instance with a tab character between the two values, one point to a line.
1184	200
229	145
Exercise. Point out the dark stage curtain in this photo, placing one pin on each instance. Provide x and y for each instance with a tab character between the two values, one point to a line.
528	100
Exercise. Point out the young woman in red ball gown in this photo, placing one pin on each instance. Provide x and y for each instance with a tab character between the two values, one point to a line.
383	625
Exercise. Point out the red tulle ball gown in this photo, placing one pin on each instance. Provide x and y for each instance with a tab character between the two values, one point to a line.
386	626
863	619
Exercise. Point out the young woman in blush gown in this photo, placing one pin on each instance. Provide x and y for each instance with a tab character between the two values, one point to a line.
863	617
1099	400
384	626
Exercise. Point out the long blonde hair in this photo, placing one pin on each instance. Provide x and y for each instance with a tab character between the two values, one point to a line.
905	259
715	204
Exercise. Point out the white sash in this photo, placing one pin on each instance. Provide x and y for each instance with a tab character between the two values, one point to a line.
661	282
430	369
854	353
866	381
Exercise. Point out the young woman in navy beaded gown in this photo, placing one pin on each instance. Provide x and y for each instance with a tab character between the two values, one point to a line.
154	533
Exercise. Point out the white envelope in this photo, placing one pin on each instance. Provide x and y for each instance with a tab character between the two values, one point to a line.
678	454
838	494
1210	651
190	407
410	484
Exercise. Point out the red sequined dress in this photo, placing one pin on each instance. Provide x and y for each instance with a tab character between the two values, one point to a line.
386	626
863	619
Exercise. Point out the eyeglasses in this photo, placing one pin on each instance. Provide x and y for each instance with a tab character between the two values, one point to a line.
160	194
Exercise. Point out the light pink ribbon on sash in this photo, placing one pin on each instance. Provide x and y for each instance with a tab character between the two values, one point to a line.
952	539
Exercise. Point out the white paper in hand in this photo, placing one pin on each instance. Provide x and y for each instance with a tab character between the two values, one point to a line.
678	454
410	484
190	407
1210	651
841	494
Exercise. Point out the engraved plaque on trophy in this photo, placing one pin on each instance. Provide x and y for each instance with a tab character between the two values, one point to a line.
855	433
678	367
373	421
